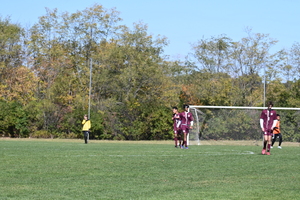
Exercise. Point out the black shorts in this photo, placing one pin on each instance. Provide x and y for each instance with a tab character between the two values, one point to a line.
278	135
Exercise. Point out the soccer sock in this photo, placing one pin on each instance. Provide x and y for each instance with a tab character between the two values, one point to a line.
176	141
265	144
269	145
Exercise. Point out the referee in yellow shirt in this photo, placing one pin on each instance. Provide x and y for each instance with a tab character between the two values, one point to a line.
86	128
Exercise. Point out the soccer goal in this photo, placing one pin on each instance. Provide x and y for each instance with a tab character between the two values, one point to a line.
238	123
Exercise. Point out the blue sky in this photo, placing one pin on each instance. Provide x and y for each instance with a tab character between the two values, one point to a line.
183	22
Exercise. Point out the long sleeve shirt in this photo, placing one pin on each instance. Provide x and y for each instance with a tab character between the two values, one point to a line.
86	125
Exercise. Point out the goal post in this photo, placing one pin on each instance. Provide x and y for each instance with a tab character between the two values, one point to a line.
237	123
194	134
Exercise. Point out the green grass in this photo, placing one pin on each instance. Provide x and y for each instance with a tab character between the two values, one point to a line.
69	169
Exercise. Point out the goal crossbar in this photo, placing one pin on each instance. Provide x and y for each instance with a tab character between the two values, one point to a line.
243	107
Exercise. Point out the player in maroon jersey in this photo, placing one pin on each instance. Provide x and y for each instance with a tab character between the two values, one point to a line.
176	126
268	120
187	121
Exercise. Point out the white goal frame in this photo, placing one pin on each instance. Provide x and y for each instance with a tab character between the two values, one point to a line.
234	107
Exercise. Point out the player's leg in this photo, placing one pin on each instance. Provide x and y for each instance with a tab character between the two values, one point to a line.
180	138
175	139
83	135
186	144
86	136
269	138
264	143
273	139
184	136
184	139
280	140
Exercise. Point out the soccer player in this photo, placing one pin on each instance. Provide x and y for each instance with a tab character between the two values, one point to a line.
86	128
268	120
187	121
276	133
176	126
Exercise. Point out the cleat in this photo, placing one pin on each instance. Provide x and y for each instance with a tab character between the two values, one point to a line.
176	146
181	147
263	152
268	153
186	148
279	147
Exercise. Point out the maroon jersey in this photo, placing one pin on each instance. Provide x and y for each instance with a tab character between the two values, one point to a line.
186	118
176	122
269	116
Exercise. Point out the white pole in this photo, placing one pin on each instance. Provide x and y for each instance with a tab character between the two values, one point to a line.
90	89
91	66
197	128
90	92
264	86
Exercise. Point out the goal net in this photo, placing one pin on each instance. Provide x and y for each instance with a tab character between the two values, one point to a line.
239	123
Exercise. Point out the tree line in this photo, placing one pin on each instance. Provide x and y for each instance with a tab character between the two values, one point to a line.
45	76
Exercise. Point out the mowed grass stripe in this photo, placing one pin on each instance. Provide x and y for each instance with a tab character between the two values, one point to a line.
58	169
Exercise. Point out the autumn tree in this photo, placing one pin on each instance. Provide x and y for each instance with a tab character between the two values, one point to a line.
17	83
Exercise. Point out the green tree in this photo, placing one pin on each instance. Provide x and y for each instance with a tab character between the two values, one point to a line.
14	121
294	55
213	54
131	80
11	36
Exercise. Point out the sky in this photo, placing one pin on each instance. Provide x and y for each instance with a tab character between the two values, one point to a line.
183	22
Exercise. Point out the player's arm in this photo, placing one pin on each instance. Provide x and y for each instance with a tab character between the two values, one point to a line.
178	124
191	125
274	124
261	122
179	116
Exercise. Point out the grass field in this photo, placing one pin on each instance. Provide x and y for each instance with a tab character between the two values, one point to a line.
69	169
